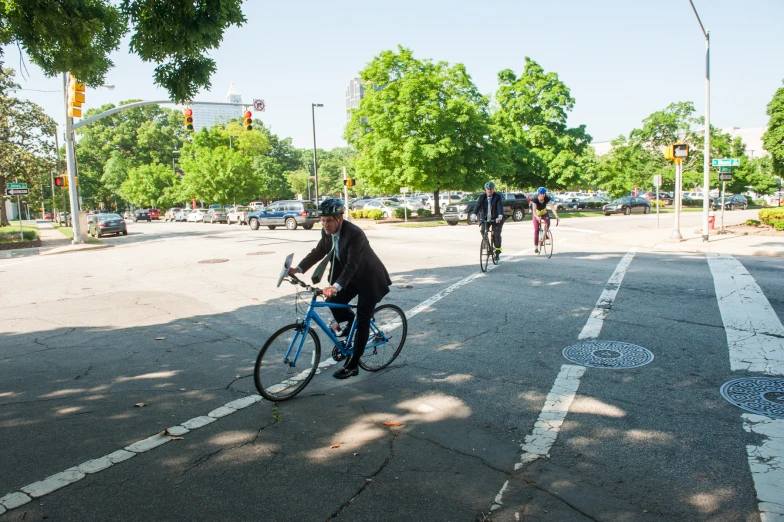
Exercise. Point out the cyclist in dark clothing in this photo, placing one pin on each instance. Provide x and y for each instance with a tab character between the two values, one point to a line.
490	207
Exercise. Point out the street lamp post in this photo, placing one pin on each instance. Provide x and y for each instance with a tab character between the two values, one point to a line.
315	164
706	153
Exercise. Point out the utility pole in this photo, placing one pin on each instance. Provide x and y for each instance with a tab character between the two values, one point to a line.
706	152
71	165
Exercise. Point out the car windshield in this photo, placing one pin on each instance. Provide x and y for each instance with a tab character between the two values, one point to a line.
471	197
389	203
620	200
218	210
242	209
108	217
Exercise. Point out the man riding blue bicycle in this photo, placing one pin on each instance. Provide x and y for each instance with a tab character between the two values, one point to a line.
355	270
489	211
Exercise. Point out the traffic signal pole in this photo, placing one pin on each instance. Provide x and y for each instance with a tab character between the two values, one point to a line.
70	154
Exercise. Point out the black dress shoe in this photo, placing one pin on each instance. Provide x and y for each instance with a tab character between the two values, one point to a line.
345	373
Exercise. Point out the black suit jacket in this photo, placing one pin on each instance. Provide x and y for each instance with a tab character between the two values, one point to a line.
358	264
496	207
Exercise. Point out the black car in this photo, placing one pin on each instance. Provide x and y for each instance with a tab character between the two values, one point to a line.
730	202
627	205
142	215
104	224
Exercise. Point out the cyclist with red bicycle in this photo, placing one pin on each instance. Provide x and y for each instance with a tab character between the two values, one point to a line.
539	212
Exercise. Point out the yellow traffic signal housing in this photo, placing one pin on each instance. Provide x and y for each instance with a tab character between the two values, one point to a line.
668	152
680	150
187	116
75	97
248	120
349	182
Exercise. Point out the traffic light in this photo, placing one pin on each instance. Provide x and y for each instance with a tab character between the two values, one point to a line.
187	115
248	123
680	150
61	181
668	152
349	182
75	97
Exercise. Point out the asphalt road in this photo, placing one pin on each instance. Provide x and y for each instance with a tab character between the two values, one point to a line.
480	418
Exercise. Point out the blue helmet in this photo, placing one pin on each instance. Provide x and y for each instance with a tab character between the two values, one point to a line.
541	190
489	185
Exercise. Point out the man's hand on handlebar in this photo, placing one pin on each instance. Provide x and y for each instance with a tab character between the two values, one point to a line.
329	291
293	271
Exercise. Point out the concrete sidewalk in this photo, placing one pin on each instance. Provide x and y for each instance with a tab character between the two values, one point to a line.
658	240
52	242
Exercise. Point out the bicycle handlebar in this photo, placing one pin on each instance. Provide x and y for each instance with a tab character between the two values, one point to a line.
294	280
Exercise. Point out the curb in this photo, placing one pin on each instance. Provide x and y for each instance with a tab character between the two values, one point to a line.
73	249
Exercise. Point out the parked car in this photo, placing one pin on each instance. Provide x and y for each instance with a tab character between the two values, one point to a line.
104	224
413	204
238	215
154	213
182	215
730	202
515	205
169	215
142	215
627	205
288	213
48	216
386	206
216	215
91	218
444	200
195	215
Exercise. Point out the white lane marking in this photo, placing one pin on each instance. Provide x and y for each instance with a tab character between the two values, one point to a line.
71	475
593	327
561	396
754	332
754	338
766	462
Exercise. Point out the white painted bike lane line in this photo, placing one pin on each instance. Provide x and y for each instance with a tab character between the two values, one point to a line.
755	338
561	396
77	473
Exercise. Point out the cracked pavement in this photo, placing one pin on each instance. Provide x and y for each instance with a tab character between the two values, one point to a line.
89	368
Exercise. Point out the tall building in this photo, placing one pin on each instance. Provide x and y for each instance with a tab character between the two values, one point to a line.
355	91
209	115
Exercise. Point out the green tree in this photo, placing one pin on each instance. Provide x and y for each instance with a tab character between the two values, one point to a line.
151	185
773	139
26	151
77	36
530	128
424	125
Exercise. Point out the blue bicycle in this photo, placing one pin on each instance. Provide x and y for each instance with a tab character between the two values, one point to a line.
292	355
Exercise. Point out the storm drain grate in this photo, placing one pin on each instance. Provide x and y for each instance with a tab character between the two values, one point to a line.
608	354
211	261
259	253
760	395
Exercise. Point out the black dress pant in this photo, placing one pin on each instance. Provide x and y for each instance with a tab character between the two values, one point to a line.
365	307
496	228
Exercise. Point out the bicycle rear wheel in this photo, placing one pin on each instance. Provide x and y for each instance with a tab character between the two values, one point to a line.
278	377
484	254
388	330
547	245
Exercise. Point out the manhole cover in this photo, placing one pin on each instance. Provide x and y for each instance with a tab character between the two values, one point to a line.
608	354
259	253
761	395
210	261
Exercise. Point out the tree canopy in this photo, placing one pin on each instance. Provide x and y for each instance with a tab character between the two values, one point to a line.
773	139
77	36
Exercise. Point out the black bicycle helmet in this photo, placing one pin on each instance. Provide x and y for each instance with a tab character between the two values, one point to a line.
331	207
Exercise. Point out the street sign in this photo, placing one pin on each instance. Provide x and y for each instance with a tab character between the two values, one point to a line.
17	191
16	185
404	190
657	181
723	176
726	162
725	170
258	105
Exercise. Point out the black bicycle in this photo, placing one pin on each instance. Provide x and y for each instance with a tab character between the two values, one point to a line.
486	250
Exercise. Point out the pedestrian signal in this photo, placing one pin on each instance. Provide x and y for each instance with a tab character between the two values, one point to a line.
680	150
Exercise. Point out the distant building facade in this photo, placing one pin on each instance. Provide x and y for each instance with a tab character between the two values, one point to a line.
752	138
355	91
211	115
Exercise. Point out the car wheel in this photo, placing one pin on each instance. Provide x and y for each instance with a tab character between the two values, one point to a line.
97	234
125	232
452	223
606	213
627	211
647	210
732	206
307	227
254	224
745	206
291	224
271	227
518	214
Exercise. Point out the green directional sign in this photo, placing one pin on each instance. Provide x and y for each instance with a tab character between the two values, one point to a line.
726	162
723	170
16	185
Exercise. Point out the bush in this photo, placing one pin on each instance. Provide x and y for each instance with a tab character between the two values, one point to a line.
355	214
779	225
402	212
692	202
423	212
773	217
759	202
752	223
374	214
594	204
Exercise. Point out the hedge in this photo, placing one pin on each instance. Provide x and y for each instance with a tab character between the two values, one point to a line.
374	214
773	217
424	212
399	212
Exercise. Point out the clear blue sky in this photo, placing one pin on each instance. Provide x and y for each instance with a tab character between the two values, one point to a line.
622	59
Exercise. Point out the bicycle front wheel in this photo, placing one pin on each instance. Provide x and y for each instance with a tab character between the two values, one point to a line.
547	246
484	254
287	362
388	330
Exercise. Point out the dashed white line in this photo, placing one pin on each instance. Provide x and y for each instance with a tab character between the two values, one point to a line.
547	426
